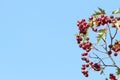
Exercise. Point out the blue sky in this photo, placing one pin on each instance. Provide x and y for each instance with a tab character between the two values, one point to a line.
37	39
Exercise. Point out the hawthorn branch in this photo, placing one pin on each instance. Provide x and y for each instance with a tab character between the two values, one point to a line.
99	58
104	40
98	50
115	34
111	38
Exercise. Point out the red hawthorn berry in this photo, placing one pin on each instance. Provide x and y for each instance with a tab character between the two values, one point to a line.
113	21
96	67
109	20
111	17
83	65
87	61
83	71
83	20
80	38
83	58
91	17
87	39
86	75
87	65
115	54
109	52
118	18
94	29
113	25
116	42
112	77
80	45
78	42
86	53
102	15
91	63
88	50
83	68
110	46
113	48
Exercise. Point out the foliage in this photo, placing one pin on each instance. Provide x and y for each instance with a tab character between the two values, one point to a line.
102	25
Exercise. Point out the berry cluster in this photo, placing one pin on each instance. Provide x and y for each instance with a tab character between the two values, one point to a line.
86	46
96	67
112	77
83	69
79	39
82	26
115	47
84	43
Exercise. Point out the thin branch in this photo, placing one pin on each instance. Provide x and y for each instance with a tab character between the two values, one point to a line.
111	38
99	58
99	50
115	34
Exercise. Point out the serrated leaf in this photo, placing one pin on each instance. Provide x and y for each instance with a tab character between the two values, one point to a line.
100	34
116	11
101	10
117	24
97	12
118	71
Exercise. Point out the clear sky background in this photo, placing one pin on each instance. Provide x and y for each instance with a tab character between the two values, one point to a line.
37	39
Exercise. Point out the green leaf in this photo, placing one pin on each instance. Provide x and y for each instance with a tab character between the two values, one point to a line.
100	33
117	24
118	71
101	10
106	78
116	11
97	12
101	72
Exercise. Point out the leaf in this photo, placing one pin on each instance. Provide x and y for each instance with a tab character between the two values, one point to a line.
101	72
106	78
117	24
100	33
116	11
118	71
79	34
97	12
101	10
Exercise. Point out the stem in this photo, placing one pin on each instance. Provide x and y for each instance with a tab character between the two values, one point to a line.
99	50
99	58
115	34
111	39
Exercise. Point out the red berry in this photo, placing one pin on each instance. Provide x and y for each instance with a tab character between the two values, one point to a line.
109	52
91	17
118	18
94	29
87	65
91	63
111	17
80	39
87	38
102	15
115	54
96	67
110	46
